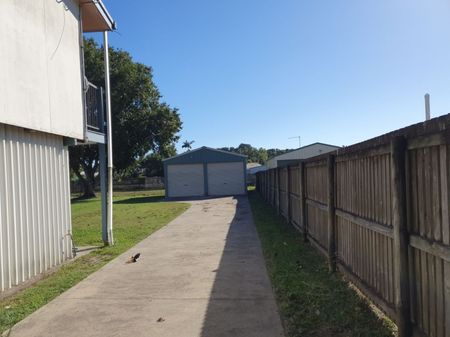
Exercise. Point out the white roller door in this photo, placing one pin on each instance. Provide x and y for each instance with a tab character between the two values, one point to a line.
185	180
226	178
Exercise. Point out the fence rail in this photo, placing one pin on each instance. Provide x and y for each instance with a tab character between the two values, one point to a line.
379	211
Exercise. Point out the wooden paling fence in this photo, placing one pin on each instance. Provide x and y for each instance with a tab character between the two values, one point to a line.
379	211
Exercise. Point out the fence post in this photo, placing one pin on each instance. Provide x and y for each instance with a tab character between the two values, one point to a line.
400	231
278	191
263	184
331	215
288	193
266	183
256	183
303	220
269	186
273	198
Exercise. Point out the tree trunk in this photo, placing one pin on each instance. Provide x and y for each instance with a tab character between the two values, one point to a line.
88	187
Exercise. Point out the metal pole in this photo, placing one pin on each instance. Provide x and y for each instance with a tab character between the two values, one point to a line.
109	139
104	192
427	107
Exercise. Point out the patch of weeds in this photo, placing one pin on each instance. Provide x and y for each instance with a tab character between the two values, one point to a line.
312	301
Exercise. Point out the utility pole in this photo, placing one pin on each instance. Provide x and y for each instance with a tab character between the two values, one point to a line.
299	140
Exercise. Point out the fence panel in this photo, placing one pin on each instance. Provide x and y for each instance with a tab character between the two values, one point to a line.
389	215
363	186
273	188
316	202
429	241
283	195
364	222
294	196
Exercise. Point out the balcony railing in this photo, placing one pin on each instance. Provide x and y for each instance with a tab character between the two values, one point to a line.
95	112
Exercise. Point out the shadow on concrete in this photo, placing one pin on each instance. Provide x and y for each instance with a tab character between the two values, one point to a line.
200	198
139	200
242	302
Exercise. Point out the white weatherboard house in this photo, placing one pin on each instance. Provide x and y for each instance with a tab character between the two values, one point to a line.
205	172
45	105
303	152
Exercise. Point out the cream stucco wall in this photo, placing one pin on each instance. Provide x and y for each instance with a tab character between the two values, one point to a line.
40	66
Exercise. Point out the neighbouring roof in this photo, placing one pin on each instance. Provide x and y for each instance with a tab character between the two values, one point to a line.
256	169
304	151
252	165
95	16
205	154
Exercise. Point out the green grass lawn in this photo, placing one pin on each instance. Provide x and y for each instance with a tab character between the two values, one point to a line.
136	216
312	301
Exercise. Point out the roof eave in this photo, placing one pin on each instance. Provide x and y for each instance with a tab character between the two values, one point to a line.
96	17
203	148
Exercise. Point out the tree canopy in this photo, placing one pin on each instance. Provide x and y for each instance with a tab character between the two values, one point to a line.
187	145
255	155
141	122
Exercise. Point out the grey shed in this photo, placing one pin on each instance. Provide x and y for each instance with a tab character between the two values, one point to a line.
205	172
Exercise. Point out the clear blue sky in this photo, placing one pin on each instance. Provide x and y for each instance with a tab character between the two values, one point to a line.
260	71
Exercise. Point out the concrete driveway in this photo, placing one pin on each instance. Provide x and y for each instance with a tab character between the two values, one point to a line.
203	275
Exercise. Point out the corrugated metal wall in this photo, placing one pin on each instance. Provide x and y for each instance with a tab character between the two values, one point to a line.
35	214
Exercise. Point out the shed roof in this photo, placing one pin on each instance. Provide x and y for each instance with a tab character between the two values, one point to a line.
205	154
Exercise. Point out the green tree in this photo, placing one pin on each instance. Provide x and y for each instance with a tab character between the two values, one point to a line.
187	145
255	155
261	156
276	152
152	164
141	123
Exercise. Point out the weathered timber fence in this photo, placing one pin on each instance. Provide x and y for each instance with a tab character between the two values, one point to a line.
379	211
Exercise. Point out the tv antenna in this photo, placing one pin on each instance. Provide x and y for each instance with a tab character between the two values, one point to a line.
299	140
